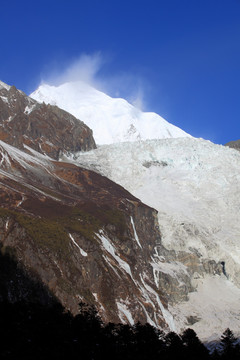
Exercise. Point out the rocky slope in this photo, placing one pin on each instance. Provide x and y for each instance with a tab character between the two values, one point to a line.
89	239
44	128
84	236
111	119
234	144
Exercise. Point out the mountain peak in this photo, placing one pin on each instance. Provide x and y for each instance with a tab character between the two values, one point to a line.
111	119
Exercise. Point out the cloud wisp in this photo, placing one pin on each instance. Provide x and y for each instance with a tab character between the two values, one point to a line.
84	68
92	69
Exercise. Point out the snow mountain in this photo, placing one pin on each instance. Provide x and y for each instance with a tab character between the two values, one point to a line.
146	230
112	120
83	236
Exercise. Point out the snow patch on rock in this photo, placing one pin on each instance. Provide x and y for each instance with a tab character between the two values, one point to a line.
82	252
112	251
124	313
4	86
135	233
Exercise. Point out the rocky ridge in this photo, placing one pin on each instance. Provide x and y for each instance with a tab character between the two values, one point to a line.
44	128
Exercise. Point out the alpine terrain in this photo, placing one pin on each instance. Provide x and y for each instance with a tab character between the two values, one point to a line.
145	230
111	119
194	186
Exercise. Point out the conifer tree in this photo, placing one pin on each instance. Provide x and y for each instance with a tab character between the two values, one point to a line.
194	348
227	344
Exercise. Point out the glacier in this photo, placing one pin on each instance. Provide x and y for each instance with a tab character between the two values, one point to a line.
194	185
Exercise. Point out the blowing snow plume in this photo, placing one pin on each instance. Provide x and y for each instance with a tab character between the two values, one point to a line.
111	119
92	70
85	68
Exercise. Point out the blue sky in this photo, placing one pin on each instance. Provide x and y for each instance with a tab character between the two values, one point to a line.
180	58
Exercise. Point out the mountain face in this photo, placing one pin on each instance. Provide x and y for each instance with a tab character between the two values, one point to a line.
111	119
146	230
194	186
44	128
88	239
84	236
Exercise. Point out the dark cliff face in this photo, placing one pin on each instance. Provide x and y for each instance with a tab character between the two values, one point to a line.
44	128
17	285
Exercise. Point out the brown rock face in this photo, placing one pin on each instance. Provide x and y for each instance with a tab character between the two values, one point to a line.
44	128
234	144
77	231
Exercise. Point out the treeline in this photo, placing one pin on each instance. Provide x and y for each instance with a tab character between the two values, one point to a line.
33	325
33	331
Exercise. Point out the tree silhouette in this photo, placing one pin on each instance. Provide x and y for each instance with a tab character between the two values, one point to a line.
194	349
148	341
228	345
174	345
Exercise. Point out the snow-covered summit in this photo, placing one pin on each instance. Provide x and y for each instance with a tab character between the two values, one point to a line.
111	119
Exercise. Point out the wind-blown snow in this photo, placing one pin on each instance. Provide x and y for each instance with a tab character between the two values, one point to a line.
111	119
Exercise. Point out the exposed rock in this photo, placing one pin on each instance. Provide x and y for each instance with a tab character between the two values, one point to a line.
89	239
77	231
16	284
234	144
44	128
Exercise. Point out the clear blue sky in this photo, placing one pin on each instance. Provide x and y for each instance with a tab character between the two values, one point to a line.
184	55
